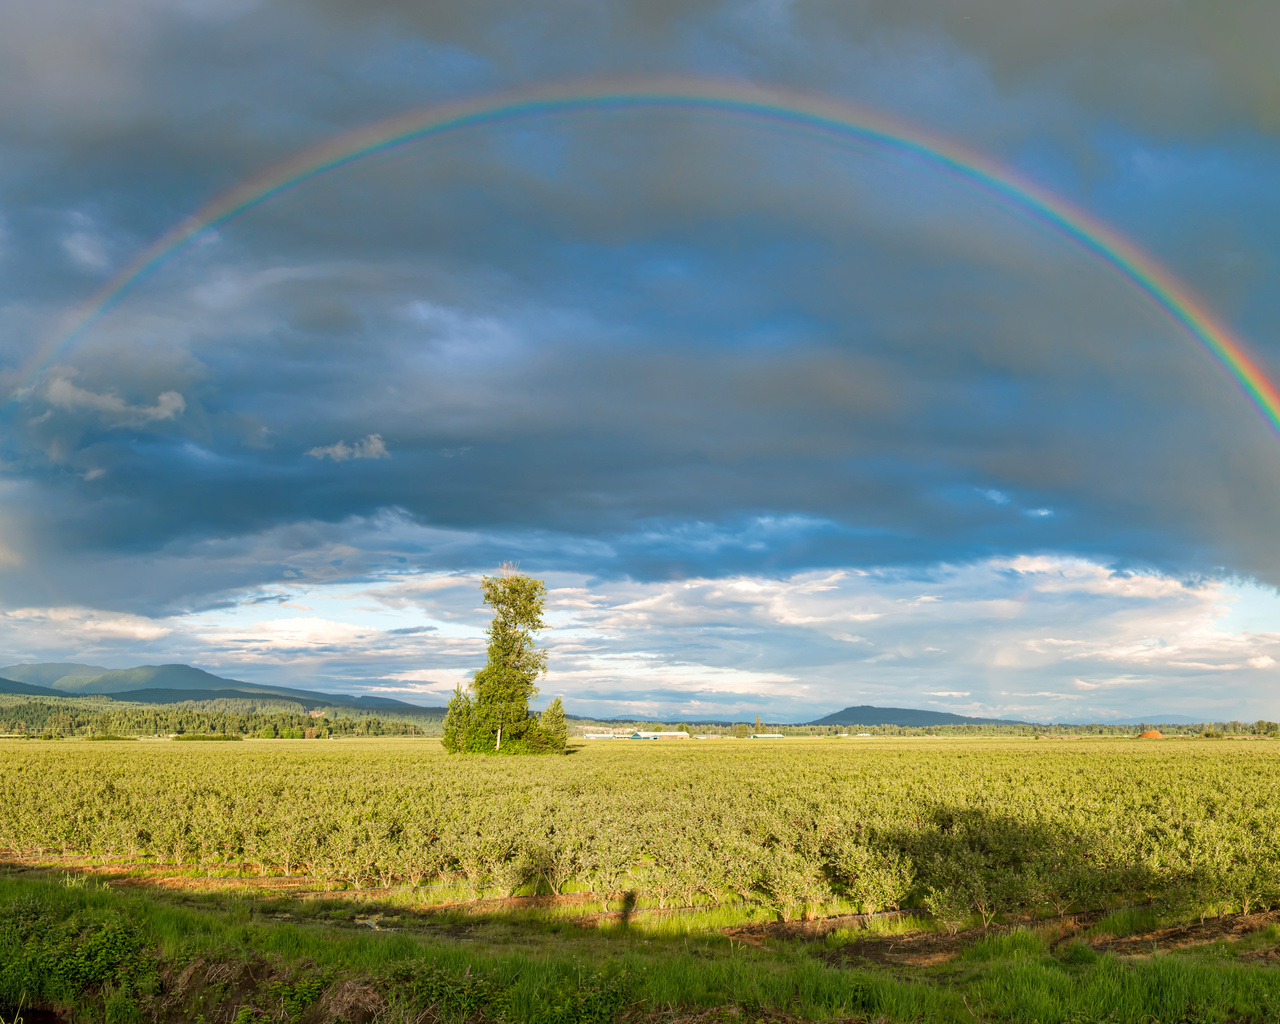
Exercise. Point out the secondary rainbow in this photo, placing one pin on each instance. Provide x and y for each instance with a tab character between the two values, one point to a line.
733	98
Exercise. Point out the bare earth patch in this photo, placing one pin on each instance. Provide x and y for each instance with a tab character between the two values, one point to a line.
1225	929
927	949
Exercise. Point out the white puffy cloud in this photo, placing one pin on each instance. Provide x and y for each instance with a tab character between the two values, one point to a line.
372	447
1058	640
62	393
34	629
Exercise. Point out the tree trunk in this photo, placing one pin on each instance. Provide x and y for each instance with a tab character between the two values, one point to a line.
499	745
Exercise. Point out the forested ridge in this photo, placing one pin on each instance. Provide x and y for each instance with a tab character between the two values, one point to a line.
41	718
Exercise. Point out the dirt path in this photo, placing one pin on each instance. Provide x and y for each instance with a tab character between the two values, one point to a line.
927	949
1226	929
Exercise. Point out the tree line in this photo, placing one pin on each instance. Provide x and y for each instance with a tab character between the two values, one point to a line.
36	718
741	730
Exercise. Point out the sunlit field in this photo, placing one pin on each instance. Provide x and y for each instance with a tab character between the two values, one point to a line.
818	878
801	828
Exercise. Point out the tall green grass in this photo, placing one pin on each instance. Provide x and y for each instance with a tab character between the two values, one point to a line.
72	943
1126	921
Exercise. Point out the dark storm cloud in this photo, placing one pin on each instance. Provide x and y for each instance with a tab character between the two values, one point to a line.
647	344
1173	66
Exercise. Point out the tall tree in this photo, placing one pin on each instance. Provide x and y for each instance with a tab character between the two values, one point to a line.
504	687
495	714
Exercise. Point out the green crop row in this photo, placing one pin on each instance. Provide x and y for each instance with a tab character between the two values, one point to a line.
959	828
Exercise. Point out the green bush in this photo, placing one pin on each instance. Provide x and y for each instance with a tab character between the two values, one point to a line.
54	948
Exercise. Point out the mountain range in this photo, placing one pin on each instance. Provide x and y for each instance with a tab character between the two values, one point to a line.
170	684
862	715
865	714
869	715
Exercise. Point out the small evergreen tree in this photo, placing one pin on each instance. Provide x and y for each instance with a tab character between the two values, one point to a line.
553	725
457	722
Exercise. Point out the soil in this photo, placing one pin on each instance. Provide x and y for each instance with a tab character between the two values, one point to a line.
758	934
29	1016
927	949
729	1015
1228	929
218	990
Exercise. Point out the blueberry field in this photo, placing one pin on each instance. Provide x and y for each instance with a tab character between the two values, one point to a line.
810	879
801	828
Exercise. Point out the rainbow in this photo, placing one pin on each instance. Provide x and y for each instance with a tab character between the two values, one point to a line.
819	114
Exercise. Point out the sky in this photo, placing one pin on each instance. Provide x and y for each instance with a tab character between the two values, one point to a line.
786	422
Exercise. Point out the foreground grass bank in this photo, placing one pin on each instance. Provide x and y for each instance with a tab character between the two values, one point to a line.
90	953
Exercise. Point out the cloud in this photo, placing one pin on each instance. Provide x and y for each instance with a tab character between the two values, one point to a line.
770	645
372	447
731	383
85	249
723	423
63	394
58	625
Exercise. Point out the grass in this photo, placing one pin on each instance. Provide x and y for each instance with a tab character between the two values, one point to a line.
1162	989
69	941
1014	945
41	919
1261	939
1126	921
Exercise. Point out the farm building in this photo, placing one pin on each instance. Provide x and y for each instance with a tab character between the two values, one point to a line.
659	735
766	736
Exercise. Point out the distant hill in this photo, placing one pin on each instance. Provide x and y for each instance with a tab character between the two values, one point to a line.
158	695
27	690
865	714
48	674
146	677
862	715
170	684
